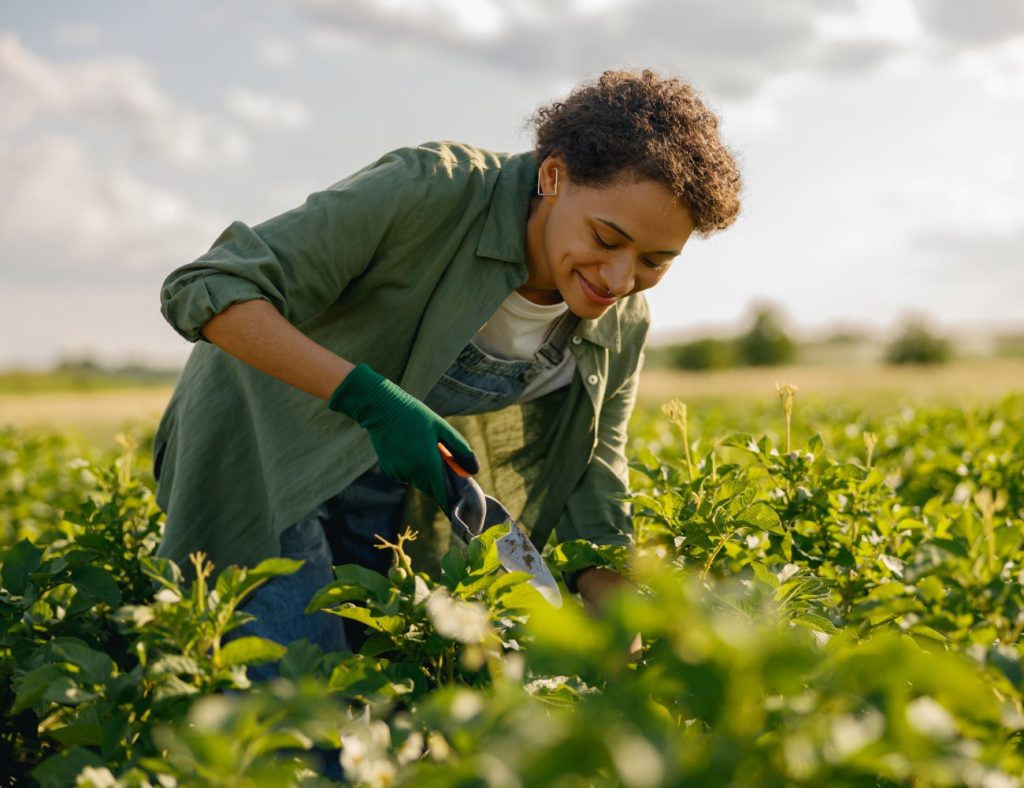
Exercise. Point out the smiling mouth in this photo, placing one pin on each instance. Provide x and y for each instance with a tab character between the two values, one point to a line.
594	293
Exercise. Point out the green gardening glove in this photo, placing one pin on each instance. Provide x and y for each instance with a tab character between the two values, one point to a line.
403	430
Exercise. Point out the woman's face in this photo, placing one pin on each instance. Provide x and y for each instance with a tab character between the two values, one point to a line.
592	246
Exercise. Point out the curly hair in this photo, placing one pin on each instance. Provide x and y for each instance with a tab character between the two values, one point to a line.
636	124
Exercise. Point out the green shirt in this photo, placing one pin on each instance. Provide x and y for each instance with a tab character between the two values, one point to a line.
397	266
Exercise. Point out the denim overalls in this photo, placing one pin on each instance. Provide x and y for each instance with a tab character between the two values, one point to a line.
343	528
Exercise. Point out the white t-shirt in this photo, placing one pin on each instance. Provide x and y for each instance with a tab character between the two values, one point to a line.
516	331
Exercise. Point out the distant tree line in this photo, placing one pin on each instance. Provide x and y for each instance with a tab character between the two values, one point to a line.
766	343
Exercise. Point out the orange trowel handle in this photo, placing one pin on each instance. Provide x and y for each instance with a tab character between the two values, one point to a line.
450	461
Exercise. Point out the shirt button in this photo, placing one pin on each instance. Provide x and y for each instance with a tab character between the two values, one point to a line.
592	380
576	340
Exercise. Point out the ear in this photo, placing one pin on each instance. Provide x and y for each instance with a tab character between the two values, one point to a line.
552	175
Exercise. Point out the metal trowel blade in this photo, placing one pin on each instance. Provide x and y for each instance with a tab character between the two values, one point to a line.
517	554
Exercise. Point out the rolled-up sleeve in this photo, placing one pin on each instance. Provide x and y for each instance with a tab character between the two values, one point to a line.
593	511
302	260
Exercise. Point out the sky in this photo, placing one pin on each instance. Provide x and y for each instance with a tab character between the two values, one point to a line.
879	142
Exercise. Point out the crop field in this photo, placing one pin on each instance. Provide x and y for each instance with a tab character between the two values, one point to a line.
828	585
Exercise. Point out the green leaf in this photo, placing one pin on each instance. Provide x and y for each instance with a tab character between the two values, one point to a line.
764	575
250	650
362	678
96	667
275	567
505	583
761	515
377	643
453	565
743	441
303	659
85	556
392	625
926	631
163	570
482	553
20	561
281	741
815	622
931	589
335	594
522	596
171	687
62	769
84	733
174	665
96	584
738	503
30	688
475	584
67	692
576	554
377	584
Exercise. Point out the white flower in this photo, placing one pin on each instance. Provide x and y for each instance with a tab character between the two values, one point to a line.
638	762
929	718
787	572
454	619
167	595
411	749
94	777
364	752
849	734
893	564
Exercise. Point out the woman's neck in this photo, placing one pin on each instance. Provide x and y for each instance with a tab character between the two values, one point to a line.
536	264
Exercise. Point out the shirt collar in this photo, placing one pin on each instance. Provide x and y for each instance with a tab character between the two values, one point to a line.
504	233
504	236
604	331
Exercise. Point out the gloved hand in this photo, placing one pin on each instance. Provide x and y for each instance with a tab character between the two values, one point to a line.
403	430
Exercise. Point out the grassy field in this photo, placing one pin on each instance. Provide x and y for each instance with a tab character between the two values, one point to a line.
93	416
866	385
834	604
97	413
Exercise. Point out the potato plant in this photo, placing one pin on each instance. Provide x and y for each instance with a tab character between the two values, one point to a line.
826	598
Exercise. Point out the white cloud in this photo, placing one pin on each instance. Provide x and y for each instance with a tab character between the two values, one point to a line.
266	111
999	69
78	35
61	214
118	93
732	49
27	83
962	25
890	21
275	52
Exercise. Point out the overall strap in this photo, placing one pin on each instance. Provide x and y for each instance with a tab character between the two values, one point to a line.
554	346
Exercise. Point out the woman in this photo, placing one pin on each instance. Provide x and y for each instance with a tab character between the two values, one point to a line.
440	281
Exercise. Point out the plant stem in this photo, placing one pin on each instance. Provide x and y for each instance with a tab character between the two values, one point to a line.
714	553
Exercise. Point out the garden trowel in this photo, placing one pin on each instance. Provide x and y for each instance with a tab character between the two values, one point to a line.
473	512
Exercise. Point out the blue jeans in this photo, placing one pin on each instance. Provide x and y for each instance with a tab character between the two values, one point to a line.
343	529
